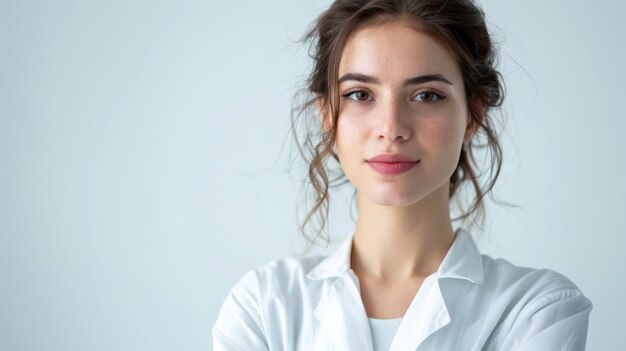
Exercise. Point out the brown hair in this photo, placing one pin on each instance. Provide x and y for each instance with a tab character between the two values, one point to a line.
459	25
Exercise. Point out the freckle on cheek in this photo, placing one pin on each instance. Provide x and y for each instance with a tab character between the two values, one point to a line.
443	137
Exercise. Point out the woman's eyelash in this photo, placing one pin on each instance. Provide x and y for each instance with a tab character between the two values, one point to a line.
435	96
430	98
350	93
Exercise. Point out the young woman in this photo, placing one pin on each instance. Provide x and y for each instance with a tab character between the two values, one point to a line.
403	89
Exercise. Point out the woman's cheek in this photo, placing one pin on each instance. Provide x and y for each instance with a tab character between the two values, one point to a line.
439	133
349	130
345	138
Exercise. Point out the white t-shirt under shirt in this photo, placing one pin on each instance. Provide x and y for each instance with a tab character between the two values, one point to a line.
383	331
472	302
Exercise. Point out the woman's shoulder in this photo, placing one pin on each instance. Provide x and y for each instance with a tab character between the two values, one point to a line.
530	289
505	274
258	302
498	279
279	274
304	274
530	306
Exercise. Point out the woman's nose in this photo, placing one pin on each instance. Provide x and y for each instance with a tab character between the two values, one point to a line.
393	125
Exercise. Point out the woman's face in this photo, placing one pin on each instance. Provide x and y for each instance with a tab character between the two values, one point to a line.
401	93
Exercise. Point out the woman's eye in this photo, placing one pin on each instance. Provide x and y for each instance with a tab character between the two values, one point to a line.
358	95
429	96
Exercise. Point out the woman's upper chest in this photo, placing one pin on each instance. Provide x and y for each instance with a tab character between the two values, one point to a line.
384	300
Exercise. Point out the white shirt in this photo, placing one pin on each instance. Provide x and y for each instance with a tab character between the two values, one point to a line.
473	302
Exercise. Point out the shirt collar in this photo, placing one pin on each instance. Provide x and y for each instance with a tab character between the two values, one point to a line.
463	260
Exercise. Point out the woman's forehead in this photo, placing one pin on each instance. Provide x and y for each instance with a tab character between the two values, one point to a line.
396	50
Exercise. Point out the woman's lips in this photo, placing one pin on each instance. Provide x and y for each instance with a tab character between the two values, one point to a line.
391	168
392	158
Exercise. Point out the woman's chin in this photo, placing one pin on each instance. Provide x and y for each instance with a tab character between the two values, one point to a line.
393	199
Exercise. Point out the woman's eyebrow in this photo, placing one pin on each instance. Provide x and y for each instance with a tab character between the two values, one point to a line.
363	78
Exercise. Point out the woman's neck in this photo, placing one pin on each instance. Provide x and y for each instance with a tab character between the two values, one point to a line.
392	244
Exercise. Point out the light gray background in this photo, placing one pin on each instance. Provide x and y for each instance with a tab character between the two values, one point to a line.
144	161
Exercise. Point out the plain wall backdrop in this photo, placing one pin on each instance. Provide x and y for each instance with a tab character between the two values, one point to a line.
145	163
